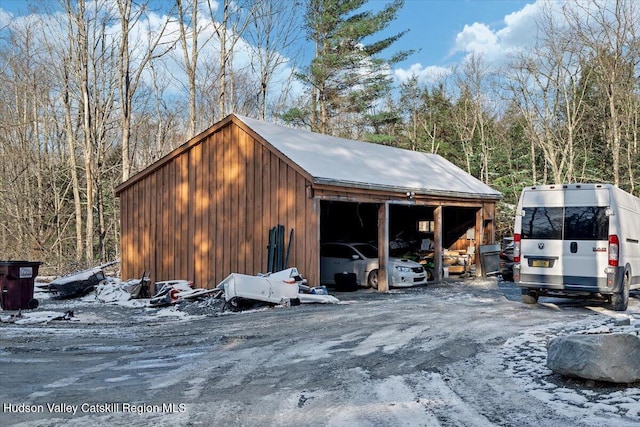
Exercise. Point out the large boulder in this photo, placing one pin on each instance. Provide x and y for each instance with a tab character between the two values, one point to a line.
602	357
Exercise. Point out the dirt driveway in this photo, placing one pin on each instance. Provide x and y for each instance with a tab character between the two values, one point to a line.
457	354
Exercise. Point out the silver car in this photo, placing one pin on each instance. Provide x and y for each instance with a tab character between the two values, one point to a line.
362	259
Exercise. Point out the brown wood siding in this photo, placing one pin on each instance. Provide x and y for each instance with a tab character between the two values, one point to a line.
207	212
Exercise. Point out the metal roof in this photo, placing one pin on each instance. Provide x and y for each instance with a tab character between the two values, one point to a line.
350	163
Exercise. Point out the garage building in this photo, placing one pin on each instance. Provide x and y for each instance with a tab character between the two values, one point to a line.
206	209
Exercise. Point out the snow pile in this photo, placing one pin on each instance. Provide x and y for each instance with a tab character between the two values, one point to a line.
37	317
109	292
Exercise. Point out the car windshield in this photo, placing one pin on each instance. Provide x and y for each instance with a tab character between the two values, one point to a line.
367	250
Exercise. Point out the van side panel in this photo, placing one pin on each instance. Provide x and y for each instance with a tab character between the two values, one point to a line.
627	227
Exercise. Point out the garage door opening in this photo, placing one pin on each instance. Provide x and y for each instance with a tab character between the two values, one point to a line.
411	232
348	222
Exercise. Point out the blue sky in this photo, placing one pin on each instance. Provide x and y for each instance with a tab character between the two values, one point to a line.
442	32
434	24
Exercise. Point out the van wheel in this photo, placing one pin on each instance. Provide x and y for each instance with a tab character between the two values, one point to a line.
620	300
529	297
372	281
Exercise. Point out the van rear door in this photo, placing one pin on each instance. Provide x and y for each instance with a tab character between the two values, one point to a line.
586	234
564	236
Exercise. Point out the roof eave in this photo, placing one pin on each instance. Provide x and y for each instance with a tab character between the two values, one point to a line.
397	189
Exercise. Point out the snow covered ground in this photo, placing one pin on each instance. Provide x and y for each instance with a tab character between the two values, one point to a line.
458	354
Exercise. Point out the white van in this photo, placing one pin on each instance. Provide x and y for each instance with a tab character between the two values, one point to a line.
577	240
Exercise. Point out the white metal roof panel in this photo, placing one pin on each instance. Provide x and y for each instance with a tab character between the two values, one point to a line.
346	162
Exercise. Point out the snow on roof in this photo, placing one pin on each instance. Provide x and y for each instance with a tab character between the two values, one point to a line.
346	162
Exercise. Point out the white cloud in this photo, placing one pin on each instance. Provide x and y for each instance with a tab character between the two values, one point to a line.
430	74
480	39
520	29
518	32
5	18
477	38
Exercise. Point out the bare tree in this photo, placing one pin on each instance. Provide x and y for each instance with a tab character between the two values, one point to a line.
94	69
190	29
273	33
608	33
549	84
236	17
129	76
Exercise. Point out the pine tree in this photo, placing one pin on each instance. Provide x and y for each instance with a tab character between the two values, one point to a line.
347	76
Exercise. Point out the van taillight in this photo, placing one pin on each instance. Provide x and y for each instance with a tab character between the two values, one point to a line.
614	250
516	248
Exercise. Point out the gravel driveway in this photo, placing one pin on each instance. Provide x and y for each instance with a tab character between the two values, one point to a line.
465	353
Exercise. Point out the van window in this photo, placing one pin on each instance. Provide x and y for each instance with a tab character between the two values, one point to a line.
586	223
542	223
572	223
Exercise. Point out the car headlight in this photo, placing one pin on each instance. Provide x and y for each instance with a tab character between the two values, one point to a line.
403	269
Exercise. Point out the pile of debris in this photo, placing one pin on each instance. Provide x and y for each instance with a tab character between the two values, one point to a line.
174	291
284	287
239	291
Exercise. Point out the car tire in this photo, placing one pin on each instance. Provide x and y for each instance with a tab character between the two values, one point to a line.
529	297
620	300
430	274
372	280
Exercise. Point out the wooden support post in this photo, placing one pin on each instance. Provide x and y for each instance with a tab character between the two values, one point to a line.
479	236
383	247
437	243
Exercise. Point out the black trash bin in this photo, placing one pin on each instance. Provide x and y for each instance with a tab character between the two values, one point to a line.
16	284
346	282
490	259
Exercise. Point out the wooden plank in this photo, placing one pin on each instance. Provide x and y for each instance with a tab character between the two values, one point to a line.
383	247
142	226
136	229
226	201
234	175
312	239
272	193
260	244
218	224
206	166
172	209
183	225
252	249
437	243
281	194
190	214
244	264
300	233
164	225
197	218
266	220
479	232
153	224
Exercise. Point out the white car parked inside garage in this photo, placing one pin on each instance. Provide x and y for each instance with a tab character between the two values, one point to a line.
362	259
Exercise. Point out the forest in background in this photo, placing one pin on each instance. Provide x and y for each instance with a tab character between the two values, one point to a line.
90	94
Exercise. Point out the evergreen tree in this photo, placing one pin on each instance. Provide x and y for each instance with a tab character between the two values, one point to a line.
347	76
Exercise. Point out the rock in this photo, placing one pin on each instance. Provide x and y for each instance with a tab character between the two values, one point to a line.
605	357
